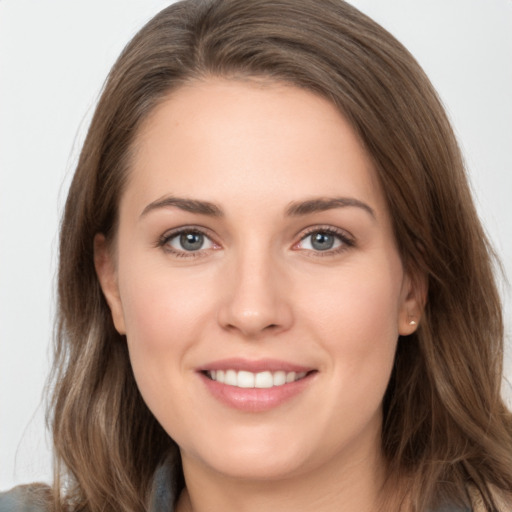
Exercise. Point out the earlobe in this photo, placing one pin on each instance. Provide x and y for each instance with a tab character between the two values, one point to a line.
414	296
107	276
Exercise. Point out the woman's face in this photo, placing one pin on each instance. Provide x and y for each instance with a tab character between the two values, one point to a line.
257	280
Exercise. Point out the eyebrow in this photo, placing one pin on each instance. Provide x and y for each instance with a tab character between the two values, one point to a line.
323	204
294	209
188	205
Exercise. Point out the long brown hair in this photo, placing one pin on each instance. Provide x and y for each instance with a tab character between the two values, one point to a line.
445	424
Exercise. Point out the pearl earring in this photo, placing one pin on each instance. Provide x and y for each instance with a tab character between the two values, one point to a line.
412	322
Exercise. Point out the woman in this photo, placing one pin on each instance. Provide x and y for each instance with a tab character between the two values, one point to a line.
274	290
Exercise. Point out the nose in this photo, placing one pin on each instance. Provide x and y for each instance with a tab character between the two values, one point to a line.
256	298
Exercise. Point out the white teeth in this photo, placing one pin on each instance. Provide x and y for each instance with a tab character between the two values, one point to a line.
230	378
244	379
279	378
264	380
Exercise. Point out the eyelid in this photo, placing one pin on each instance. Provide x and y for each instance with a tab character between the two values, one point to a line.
347	240
163	241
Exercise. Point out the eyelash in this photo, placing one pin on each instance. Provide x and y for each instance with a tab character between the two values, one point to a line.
346	241
164	240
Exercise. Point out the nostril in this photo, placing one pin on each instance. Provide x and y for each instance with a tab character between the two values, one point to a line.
253	314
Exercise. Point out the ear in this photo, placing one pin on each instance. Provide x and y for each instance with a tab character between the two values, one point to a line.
107	275
413	300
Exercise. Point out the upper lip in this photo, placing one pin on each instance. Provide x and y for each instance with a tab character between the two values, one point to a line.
256	366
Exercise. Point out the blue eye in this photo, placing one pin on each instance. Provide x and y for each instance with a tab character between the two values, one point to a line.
191	241
321	241
187	241
325	240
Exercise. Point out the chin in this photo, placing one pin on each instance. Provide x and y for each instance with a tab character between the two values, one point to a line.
259	467
260	458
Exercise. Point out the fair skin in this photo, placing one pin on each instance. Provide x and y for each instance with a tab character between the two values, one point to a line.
284	262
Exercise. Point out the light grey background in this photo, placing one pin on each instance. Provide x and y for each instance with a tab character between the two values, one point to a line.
54	56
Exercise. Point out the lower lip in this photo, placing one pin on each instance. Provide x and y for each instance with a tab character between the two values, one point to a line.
256	399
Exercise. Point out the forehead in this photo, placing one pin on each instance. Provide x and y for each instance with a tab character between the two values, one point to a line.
243	141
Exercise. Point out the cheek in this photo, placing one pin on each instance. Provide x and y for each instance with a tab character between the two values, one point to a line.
360	299
162	311
161	308
355	316
161	332
356	325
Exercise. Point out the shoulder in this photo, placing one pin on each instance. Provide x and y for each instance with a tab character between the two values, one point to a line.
26	498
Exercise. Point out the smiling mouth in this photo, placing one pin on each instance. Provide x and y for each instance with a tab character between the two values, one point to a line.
260	380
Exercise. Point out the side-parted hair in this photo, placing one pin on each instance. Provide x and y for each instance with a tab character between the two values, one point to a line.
444	422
